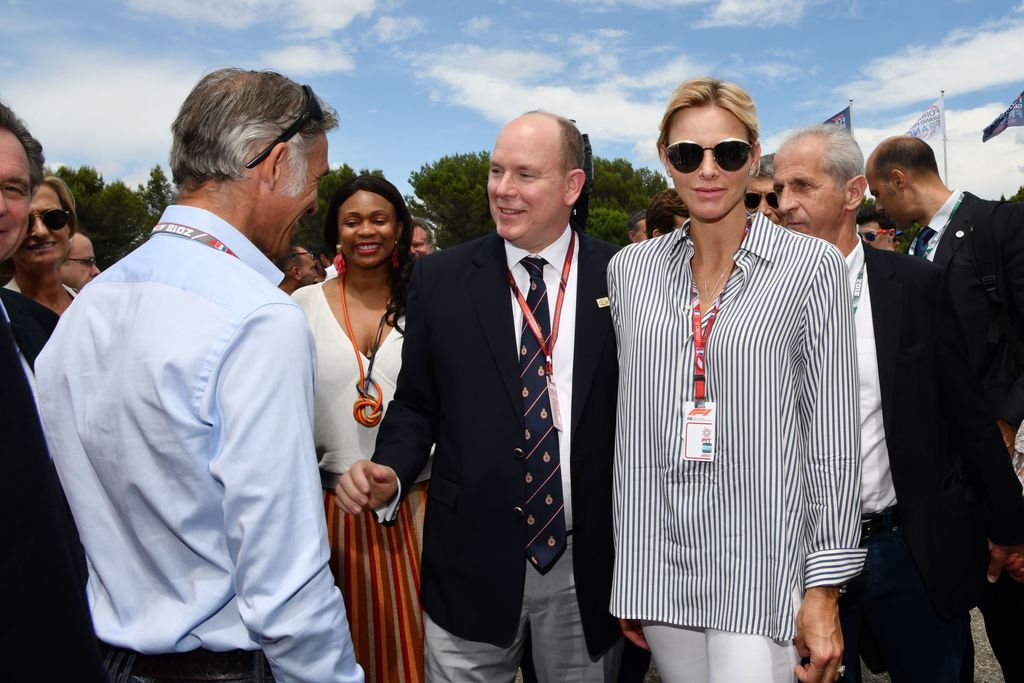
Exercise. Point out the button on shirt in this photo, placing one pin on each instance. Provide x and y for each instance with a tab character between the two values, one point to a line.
177	397
562	360
877	491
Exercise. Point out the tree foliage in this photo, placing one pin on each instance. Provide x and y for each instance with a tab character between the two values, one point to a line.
1019	197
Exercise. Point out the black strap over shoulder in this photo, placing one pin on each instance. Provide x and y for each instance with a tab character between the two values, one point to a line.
982	246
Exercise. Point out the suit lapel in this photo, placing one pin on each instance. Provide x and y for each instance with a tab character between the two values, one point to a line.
949	243
592	324
489	292
886	309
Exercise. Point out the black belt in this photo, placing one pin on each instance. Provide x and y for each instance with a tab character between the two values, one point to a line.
886	520
196	665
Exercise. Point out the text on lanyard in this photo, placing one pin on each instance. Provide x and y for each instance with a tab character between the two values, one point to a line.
194	234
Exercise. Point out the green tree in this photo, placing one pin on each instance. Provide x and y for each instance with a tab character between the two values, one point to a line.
618	185
1019	197
452	194
608	224
157	194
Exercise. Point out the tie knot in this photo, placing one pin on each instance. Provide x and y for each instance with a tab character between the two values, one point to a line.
534	266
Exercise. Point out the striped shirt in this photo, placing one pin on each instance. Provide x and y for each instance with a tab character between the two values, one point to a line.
731	544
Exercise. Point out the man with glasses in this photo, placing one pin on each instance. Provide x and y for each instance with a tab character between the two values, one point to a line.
80	267
300	269
178	402
877	229
760	195
930	454
47	630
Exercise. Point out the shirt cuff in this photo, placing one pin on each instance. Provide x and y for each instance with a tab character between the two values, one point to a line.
833	567
386	514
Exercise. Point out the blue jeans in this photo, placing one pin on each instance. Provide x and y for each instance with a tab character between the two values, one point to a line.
889	600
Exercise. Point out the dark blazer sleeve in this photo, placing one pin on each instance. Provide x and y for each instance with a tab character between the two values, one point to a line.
1008	228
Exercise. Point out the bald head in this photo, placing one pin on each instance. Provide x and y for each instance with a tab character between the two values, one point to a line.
904	179
906	153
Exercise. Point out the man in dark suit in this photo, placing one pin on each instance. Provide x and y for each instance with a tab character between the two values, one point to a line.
904	178
518	528
936	480
47	630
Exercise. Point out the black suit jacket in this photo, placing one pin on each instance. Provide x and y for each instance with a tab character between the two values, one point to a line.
953	480
31	322
1005	393
46	629
459	387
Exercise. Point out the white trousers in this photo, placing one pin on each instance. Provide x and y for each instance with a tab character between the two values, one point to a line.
559	650
694	655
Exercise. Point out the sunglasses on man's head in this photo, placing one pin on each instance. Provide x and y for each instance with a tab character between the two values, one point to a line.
686	156
752	200
54	219
311	112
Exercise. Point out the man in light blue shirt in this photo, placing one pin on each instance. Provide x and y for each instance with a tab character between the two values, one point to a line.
177	398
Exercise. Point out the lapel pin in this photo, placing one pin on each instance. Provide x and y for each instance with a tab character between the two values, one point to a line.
959	233
603	302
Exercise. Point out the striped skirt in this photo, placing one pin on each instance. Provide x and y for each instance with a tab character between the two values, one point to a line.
377	569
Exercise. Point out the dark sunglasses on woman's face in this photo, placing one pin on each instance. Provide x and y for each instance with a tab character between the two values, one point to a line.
752	200
54	219
686	156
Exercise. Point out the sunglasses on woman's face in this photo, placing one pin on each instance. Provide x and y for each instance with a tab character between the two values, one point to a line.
54	219
686	156
752	200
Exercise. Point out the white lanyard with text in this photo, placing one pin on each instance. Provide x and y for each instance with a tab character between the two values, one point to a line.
548	347
194	234
858	287
933	243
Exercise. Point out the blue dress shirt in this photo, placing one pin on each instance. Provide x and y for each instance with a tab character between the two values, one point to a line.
177	398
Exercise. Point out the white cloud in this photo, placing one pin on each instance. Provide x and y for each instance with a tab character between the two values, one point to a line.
476	26
102	108
643	4
313	18
391	29
308	60
965	61
756	13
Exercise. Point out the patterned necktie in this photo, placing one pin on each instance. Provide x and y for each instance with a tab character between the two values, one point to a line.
924	236
545	517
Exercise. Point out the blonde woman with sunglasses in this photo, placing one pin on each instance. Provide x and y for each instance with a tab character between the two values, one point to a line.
38	261
737	496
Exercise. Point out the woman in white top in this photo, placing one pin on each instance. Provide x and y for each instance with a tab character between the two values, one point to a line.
737	495
38	261
356	320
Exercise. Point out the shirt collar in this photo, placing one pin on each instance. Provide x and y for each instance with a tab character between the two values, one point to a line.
554	253
854	261
760	241
209	222
941	219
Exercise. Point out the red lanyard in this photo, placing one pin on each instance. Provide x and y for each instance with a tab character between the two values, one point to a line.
193	234
700	341
528	318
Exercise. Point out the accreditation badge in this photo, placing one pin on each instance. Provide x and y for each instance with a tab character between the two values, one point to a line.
699	431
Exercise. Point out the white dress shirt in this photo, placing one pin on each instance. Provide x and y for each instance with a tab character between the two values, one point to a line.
562	360
177	400
876	492
939	222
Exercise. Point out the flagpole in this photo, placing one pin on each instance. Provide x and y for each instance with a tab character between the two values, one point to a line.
945	162
851	117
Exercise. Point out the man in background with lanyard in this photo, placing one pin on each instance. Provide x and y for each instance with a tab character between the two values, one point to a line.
177	398
922	418
509	366
904	178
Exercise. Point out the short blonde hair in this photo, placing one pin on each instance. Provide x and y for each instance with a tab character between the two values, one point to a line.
706	92
67	200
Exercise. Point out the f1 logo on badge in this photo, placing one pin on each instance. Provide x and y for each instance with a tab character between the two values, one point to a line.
700	412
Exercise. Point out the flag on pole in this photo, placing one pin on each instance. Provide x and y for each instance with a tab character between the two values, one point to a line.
931	120
841	119
1014	116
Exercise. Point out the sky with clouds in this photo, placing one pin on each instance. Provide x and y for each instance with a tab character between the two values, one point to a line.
100	82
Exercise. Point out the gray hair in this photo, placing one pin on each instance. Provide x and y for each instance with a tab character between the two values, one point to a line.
230	116
843	159
10	122
573	152
635	218
766	166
